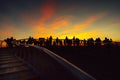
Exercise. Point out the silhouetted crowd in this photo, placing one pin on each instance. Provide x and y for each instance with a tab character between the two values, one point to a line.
11	42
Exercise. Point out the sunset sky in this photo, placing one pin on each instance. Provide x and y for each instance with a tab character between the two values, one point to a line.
60	18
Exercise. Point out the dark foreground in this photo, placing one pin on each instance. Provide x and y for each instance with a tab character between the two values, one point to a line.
103	63
29	63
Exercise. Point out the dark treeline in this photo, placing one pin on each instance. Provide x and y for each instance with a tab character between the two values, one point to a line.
59	42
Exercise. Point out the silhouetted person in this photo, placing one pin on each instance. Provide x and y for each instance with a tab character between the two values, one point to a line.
69	42
77	41
66	41
90	42
30	40
57	41
9	41
41	41
107	42
47	42
50	41
111	41
22	42
54	43
84	42
98	42
35	42
73	41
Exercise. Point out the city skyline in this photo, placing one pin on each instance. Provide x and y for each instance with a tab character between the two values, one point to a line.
60	18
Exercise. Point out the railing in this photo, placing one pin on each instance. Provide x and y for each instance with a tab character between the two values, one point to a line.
33	59
79	73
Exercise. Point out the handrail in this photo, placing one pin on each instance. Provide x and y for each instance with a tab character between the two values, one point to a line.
79	73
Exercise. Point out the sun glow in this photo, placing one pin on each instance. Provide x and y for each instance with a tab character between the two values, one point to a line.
3	44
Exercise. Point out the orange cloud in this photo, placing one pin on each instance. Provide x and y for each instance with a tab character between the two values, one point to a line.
89	21
8	28
58	23
79	27
5	33
8	31
51	28
61	26
47	10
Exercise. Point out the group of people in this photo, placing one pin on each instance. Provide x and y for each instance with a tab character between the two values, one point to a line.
59	42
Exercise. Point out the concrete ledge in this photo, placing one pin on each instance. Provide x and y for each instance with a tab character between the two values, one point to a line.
79	73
